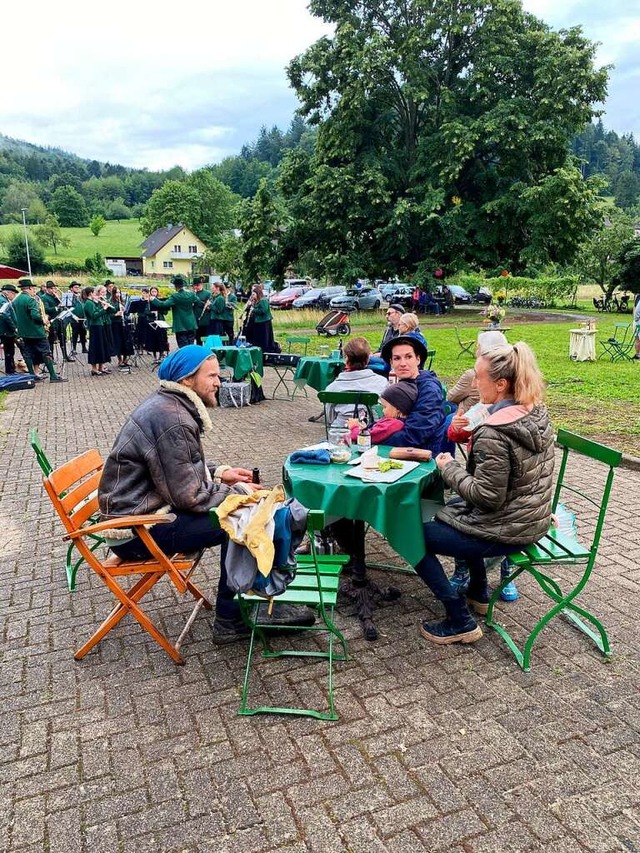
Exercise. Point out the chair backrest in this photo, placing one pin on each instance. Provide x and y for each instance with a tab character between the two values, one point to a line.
299	341
214	342
73	490
622	331
363	402
41	457
431	354
569	441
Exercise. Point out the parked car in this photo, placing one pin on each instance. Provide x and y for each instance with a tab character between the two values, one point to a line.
482	296
460	295
285	298
319	297
391	287
354	300
403	295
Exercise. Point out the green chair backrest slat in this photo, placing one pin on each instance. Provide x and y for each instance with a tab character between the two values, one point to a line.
360	398
41	457
592	449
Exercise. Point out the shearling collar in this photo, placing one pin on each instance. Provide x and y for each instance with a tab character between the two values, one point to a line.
201	409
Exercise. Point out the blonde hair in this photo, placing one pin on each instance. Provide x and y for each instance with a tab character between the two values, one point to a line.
410	320
517	364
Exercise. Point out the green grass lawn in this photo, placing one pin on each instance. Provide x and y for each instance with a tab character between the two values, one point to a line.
597	399
115	240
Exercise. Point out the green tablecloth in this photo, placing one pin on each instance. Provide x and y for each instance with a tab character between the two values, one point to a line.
317	372
393	509
242	360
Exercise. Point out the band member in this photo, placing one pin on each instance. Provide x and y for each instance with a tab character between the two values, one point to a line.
202	309
97	309
181	303
57	327
258	328
33	327
8	327
157	337
122	340
228	315
75	298
216	319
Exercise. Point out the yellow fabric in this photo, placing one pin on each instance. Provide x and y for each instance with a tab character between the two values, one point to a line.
250	528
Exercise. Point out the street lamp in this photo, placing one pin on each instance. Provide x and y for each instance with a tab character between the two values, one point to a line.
26	238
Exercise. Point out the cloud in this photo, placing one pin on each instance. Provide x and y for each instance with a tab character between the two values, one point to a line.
151	86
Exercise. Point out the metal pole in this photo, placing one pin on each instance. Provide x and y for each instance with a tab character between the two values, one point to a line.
26	238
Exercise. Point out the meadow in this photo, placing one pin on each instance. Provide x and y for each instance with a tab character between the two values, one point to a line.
117	239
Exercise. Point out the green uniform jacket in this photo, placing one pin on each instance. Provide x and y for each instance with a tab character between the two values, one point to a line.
229	306
96	315
28	316
217	308
51	305
181	303
202	317
78	309
261	310
8	328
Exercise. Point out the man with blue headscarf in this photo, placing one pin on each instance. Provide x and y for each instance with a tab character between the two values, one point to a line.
157	465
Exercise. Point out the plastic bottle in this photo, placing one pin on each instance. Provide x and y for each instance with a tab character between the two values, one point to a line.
393	377
364	439
565	521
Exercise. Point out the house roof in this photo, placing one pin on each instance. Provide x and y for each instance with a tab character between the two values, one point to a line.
159	238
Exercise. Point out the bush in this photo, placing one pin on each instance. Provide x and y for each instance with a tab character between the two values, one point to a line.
549	289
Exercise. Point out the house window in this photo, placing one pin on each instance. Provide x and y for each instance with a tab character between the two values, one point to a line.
193	250
167	264
177	248
153	265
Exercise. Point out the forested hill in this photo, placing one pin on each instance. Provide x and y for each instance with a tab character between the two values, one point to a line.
31	174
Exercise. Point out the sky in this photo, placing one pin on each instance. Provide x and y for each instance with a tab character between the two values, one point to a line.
162	85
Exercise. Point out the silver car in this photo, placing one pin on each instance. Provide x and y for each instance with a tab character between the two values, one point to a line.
358	299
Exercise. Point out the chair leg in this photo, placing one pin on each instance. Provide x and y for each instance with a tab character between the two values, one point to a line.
128	604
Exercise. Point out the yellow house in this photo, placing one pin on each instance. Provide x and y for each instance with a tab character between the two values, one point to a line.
171	250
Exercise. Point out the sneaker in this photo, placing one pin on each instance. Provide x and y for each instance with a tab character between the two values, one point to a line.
70	358
287	615
229	631
58	379
510	592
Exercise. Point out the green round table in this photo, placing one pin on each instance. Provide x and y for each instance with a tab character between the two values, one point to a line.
393	509
317	372
242	360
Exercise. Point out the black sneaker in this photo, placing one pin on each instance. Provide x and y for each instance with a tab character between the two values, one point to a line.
58	379
291	615
229	631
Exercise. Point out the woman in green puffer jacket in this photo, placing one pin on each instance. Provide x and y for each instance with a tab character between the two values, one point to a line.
503	500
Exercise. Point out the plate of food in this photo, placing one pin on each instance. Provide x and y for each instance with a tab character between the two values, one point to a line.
386	471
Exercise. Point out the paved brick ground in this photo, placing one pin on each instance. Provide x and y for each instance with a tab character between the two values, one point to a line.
436	748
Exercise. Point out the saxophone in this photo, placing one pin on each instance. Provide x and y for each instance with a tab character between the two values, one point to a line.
45	320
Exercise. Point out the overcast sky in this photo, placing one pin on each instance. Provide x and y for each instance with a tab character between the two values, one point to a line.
153	86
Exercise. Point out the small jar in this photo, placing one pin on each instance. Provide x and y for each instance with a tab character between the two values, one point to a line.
340	444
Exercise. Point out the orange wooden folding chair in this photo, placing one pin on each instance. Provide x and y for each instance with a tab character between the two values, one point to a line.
72	489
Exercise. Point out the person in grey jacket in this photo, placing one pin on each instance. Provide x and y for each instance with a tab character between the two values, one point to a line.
504	496
157	465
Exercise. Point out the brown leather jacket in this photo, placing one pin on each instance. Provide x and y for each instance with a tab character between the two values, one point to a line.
158	461
506	489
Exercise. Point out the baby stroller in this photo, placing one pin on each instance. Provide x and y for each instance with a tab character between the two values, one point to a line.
334	323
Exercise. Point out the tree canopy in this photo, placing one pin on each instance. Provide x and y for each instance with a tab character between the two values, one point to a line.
442	129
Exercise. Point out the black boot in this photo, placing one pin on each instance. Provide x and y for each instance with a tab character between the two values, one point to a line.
478	596
458	627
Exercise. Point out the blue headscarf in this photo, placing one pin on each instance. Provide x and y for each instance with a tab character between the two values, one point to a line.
183	362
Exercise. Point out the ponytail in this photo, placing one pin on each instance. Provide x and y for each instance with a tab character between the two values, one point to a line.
517	364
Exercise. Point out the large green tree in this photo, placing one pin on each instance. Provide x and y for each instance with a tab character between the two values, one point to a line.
70	208
201	202
599	259
434	120
14	250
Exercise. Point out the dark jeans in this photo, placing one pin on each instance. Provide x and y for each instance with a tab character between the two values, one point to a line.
189	532
440	538
9	346
183	339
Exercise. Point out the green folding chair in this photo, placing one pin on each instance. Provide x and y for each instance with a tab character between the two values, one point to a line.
315	585
46	467
620	346
467	347
558	547
431	354
363	403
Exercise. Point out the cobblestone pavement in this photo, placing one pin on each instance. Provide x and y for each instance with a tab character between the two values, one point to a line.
436	747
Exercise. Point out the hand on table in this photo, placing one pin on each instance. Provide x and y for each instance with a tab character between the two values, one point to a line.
444	459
